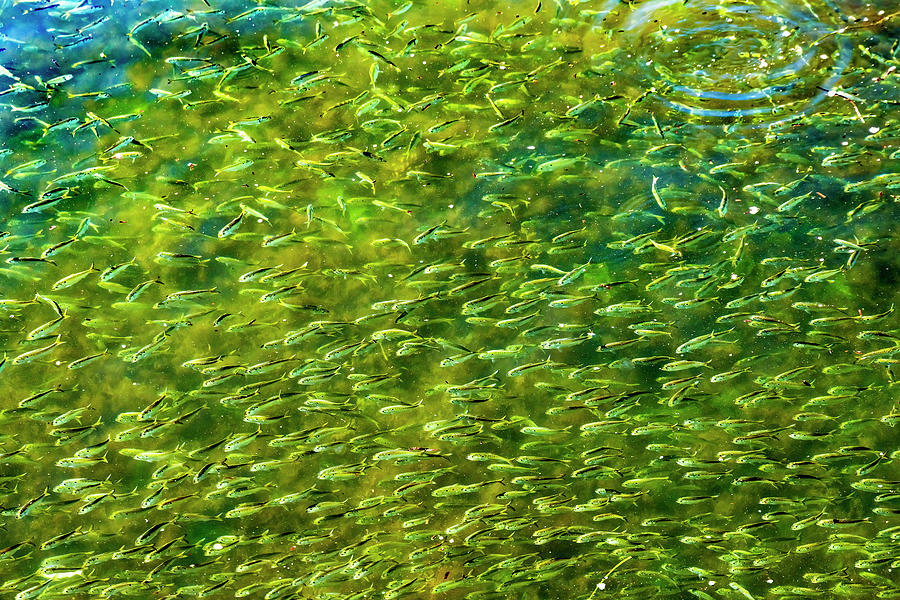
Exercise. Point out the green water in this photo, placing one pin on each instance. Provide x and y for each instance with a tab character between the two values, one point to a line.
454	299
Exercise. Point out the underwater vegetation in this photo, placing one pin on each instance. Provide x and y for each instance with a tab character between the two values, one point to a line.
376	300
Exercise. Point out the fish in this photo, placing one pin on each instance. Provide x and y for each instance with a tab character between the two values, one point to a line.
31	355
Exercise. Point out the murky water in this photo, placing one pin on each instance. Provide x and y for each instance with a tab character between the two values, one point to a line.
461	299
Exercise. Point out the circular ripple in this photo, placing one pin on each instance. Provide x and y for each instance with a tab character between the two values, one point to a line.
756	62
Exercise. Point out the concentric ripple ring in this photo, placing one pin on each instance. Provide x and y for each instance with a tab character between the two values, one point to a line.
756	63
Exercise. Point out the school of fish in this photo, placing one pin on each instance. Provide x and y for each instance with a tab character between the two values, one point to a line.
382	299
